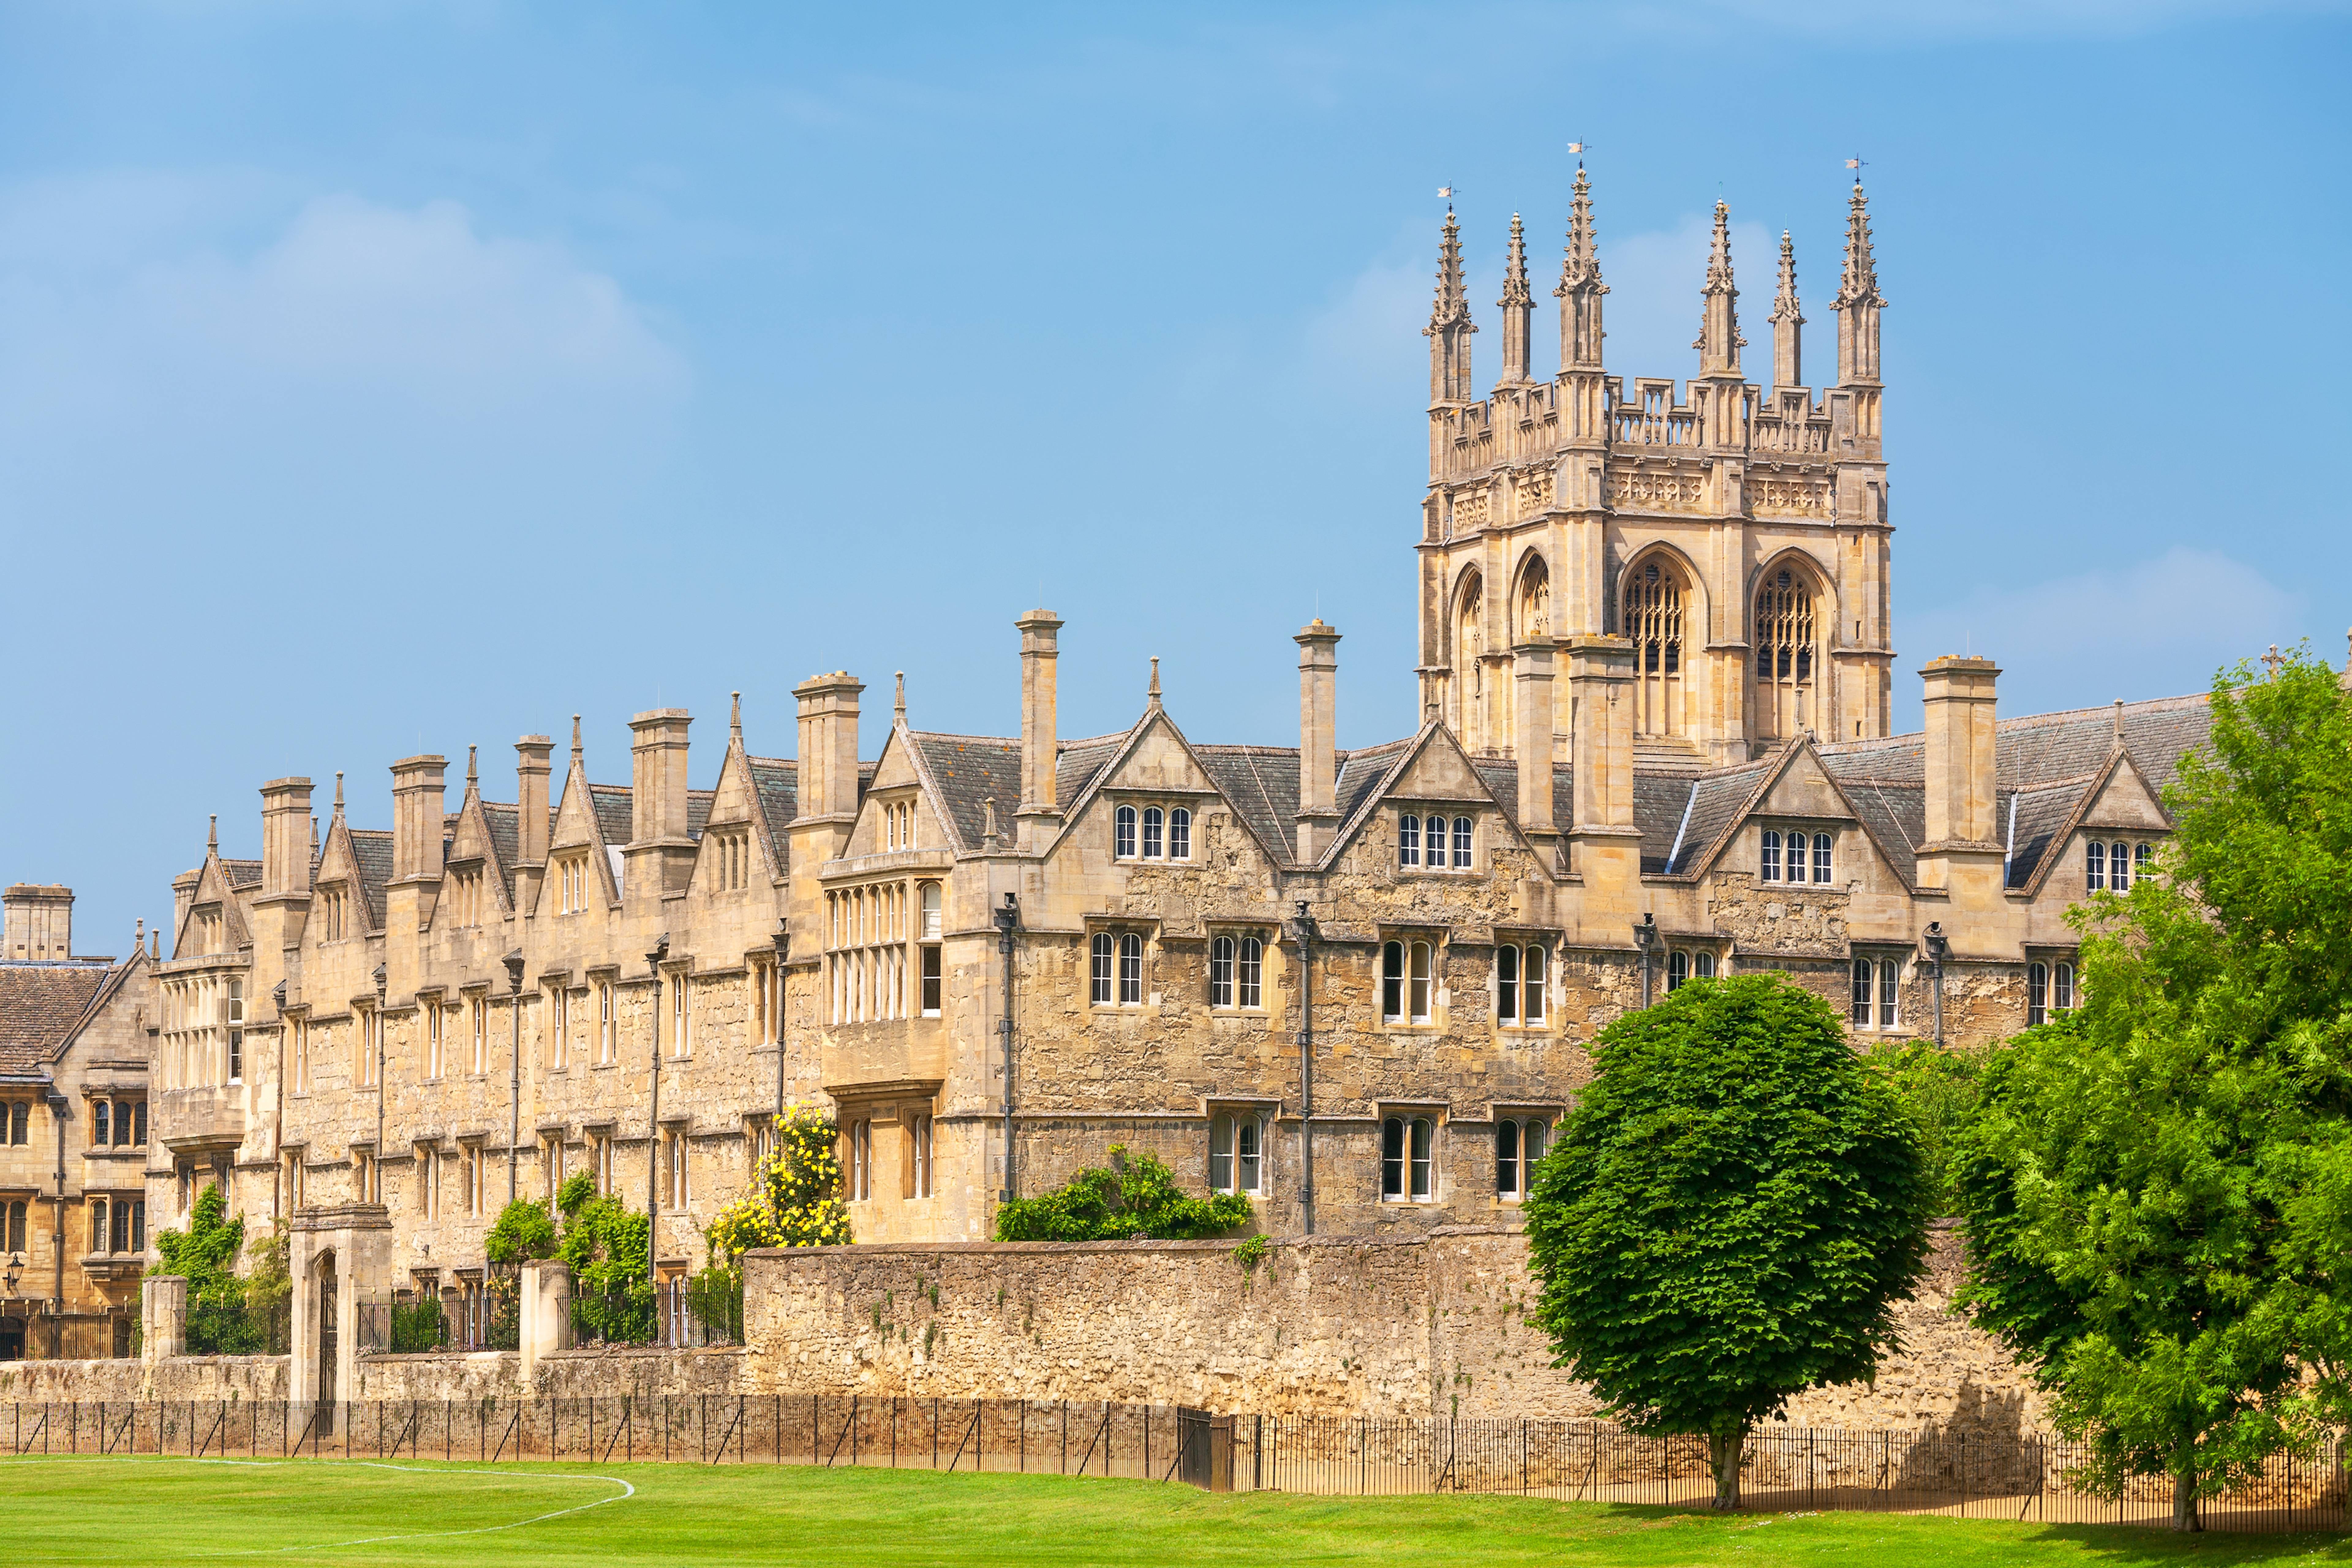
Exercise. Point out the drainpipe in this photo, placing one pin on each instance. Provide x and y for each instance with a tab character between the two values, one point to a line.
57	1107
1008	920
1302	930
653	1118
375	1165
784	941
514	1110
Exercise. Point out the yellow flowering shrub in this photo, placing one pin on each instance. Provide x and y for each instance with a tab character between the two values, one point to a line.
796	1199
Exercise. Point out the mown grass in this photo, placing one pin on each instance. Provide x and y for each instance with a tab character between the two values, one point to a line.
97	1511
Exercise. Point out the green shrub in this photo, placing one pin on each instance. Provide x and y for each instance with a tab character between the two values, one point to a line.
1129	1199
523	1232
797	1199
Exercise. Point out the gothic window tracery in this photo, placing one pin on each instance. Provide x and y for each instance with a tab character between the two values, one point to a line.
1786	637
1653	621
1470	661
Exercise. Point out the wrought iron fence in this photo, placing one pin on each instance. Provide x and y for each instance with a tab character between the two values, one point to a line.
240	1326
689	1311
1784	1468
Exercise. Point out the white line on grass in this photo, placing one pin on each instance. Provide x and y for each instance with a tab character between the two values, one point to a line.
628	1490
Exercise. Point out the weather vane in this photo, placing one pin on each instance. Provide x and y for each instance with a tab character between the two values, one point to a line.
1577	148
1446	193
1857	165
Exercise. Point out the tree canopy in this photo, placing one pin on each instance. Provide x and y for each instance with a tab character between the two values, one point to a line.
1133	1196
1729	1215
2153	1184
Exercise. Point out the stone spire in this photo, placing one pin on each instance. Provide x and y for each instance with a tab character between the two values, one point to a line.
1787	322
1581	288
1450	324
735	720
575	741
1718	340
1518	305
1858	300
212	840
1152	692
338	794
473	779
899	703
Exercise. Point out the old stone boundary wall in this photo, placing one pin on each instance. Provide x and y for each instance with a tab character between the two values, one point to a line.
1410	1326
1428	1326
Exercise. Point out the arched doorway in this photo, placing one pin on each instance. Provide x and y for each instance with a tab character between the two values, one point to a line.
1786	638
328	1341
1653	604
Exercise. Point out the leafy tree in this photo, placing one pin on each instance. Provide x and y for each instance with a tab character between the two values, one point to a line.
1937	1086
1729	1216
607	1249
797	1201
206	1255
1135	1198
523	1231
2154	1184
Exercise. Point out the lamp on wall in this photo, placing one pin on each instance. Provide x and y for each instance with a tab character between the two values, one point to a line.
15	1271
1934	942
1645	937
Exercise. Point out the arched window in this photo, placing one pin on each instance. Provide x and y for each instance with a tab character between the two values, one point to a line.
1462	828
1221	972
1519	986
1153	824
1392	980
1122	833
1653	621
1419	982
1822	843
2094	866
931	896
1678	970
1769	870
2037	994
2141	855
1408	838
1235	1152
1250	970
1786	639
1469	663
1531	1006
2119	874
1534	604
1703	965
1506	985
1408	1164
1179	835
1864	973
1518	1145
1130	970
1102	969
2062	988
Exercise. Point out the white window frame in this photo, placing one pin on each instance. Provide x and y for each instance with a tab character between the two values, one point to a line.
1409	1163
1237	1151
1513	1132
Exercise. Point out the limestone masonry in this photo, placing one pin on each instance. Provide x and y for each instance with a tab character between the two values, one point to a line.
1358	985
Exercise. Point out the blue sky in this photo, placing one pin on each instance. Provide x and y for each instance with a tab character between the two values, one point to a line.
378	378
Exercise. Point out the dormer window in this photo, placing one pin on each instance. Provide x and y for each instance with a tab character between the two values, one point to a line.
335	911
572	883
1791	854
1435	842
730	858
1152	833
466	895
899	825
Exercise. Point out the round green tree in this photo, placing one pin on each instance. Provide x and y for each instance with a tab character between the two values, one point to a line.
1729	1216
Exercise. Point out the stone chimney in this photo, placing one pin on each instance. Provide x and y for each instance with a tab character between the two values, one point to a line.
1532	672
1318	768
1605	847
286	838
1040	811
416	812
1962	831
660	854
828	748
532	824
39	923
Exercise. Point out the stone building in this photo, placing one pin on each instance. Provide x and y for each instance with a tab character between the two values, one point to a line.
1360	985
75	1038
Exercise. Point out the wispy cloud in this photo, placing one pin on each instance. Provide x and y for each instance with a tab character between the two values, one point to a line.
1879	22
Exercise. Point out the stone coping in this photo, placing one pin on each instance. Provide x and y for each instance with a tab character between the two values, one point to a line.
1032	1249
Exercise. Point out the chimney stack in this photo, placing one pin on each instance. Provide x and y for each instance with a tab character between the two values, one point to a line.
416	813
39	923
1605	847
1959	743
1039	812
533	823
1318	770
828	746
286	838
660	852
1531	672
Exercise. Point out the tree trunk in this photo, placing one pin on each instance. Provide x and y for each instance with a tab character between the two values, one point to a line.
1723	1449
2184	1493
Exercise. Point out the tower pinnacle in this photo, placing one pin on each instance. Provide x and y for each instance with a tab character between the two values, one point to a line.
1858	300
1787	321
1450	324
1518	305
1581	288
1718	342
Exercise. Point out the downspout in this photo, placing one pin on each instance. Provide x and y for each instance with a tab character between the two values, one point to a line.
783	942
375	1165
653	1119
1303	929
278	1210
57	1106
1008	920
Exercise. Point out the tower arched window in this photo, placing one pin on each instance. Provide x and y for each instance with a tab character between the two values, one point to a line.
1652	622
1786	637
1469	664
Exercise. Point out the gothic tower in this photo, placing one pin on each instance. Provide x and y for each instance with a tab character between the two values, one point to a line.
1734	536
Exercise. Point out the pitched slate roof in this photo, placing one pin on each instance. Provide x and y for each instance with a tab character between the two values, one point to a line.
1262	782
968	770
505	824
615	824
242	873
372	848
41	1005
1718	799
776	787
698	811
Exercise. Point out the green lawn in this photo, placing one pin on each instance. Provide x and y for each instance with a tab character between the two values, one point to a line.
96	1511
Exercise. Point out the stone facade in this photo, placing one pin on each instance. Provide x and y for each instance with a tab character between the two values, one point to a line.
1351	984
75	1042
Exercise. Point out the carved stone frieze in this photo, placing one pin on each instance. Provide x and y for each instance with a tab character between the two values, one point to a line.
1658	489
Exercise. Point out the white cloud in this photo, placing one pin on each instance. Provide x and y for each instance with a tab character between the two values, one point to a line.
164	345
2154	628
1905	21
